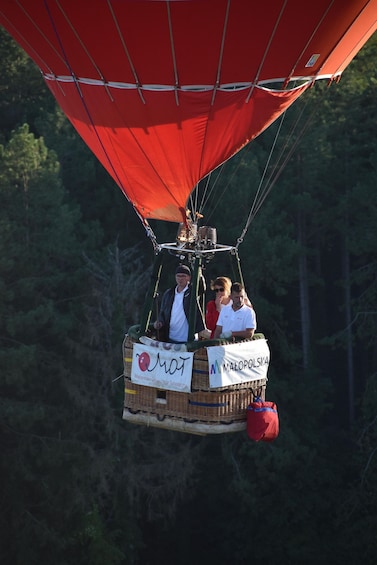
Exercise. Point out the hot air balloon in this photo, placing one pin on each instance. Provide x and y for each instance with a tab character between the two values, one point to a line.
163	92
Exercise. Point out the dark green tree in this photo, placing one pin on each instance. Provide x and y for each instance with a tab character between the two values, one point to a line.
42	277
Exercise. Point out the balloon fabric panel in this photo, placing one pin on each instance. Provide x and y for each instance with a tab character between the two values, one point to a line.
164	92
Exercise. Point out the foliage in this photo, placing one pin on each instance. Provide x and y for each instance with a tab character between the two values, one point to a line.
23	94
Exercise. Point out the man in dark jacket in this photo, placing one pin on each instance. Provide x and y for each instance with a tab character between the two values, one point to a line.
175	308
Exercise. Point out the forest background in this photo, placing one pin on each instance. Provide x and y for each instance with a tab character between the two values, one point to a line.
79	485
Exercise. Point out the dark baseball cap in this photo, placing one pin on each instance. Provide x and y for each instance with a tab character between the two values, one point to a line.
184	269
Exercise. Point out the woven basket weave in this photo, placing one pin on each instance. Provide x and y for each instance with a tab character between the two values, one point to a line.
217	406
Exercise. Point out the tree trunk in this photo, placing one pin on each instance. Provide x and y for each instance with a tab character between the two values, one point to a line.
348	319
304	292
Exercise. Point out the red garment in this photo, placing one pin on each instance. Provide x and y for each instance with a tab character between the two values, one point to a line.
212	316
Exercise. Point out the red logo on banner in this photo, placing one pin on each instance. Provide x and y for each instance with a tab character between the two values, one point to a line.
144	361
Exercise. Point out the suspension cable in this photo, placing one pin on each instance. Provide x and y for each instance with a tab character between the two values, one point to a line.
279	165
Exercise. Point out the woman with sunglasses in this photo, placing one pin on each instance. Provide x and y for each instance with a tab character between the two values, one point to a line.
221	286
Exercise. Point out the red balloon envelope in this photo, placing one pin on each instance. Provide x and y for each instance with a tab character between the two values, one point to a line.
165	91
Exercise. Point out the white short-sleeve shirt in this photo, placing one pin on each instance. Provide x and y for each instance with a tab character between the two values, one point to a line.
237	320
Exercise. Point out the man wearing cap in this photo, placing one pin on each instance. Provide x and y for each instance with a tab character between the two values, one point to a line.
175	307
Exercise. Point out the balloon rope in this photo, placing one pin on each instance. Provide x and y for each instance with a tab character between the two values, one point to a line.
127	53
75	81
173	54
148	229
290	74
38	55
216	85
280	164
209	189
256	78
254	204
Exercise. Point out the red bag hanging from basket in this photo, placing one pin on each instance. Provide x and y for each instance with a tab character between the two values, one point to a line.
262	420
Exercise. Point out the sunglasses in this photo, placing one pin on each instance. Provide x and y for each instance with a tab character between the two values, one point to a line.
218	289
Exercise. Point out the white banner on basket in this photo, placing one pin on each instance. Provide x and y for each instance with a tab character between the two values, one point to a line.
238	363
170	370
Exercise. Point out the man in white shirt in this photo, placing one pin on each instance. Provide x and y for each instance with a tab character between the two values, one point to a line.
174	312
237	319
178	327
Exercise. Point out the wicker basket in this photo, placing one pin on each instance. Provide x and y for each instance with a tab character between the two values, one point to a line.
218	406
